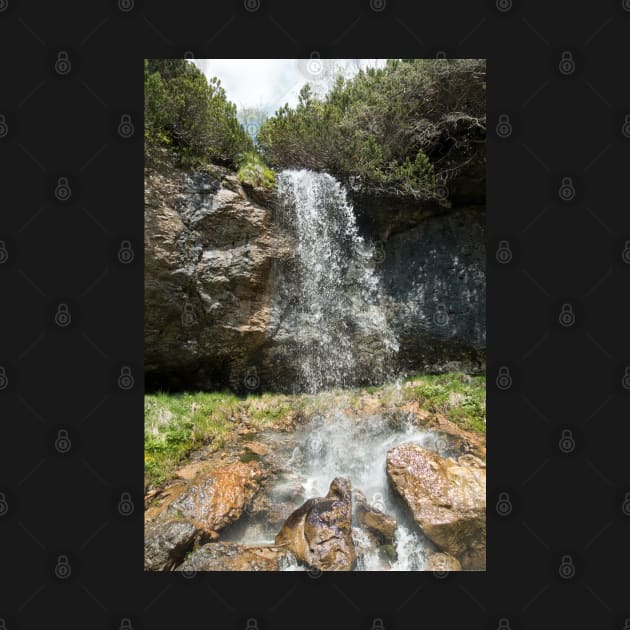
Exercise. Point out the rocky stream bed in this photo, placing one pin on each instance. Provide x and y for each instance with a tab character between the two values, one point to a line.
353	489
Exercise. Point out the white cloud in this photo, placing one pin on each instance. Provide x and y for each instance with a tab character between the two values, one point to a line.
270	83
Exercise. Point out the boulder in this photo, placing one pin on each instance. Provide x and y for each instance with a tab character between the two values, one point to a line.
447	499
442	562
218	498
319	532
379	524
227	556
167	542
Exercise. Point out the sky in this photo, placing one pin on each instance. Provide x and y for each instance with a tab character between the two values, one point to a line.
268	84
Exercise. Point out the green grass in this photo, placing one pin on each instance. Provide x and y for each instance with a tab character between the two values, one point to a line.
265	409
177	424
461	398
252	170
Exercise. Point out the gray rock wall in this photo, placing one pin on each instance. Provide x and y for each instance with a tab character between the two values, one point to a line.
212	251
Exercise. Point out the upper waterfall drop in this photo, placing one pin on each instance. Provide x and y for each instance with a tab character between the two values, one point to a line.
331	296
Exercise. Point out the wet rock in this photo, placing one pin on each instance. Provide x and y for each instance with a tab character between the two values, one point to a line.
209	250
226	556
319	532
441	562
275	505
433	269
258	448
216	304
381	525
167	542
447	499
218	498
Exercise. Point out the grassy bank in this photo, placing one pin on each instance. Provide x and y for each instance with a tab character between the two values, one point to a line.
177	424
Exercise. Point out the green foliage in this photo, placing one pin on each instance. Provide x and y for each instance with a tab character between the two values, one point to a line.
190	115
252	170
410	125
461	398
176	424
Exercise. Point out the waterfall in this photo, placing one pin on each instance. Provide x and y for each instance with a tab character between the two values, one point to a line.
331	299
330	310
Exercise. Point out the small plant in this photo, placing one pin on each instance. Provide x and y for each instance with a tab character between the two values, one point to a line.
177	424
253	171
461	398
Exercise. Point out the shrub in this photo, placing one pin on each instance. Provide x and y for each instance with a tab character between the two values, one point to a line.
252	170
192	116
410	125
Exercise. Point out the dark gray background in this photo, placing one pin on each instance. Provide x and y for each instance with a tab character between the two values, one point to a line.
566	499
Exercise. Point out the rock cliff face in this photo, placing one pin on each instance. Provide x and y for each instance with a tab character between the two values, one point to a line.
213	248
209	248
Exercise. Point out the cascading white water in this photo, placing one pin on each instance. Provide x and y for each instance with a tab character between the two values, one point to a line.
342	446
333	303
338	445
330	306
